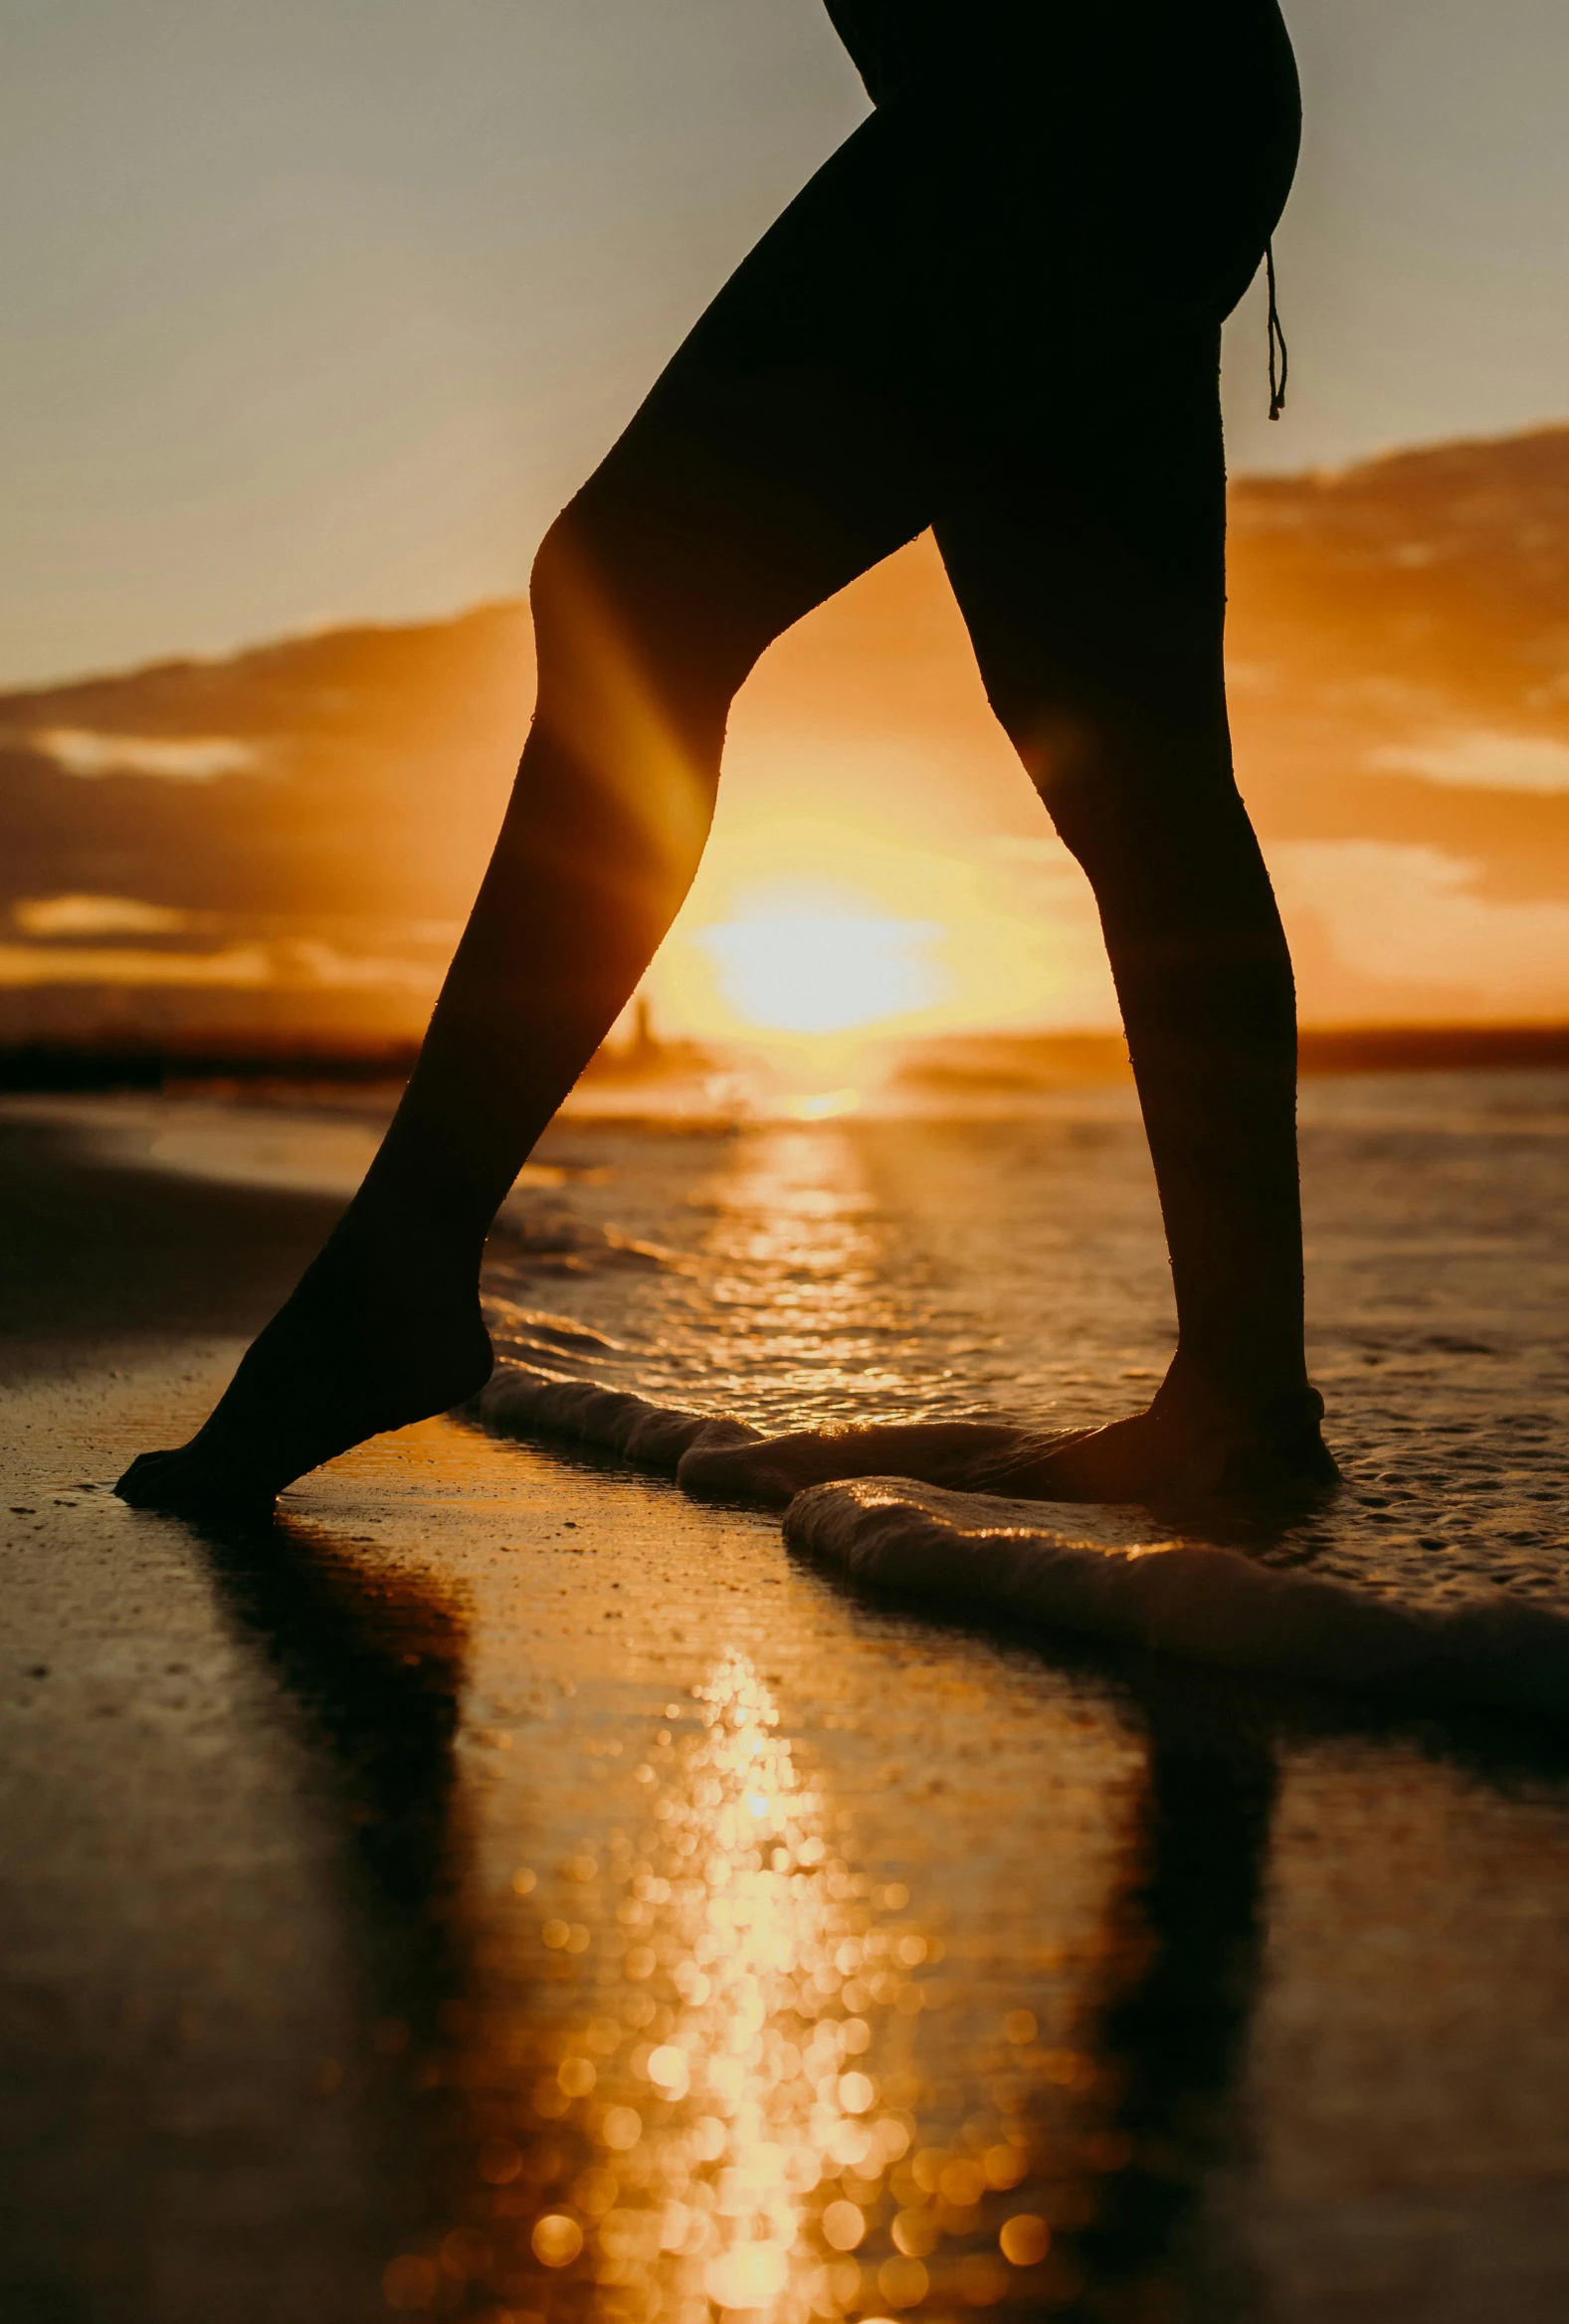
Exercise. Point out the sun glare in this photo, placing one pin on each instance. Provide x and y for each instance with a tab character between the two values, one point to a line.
810	965
811	934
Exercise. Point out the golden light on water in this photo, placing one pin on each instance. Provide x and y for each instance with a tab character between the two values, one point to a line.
725	2120
764	2143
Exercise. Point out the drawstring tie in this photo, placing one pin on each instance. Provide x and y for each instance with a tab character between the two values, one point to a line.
1280	360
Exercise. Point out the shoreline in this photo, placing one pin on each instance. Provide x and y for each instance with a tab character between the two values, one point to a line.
327	1843
953	1062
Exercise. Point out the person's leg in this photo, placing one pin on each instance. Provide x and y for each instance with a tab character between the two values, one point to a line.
1083	525
1088	560
765	472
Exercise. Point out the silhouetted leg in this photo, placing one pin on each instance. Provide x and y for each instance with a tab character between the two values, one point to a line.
1089	565
1081	521
763	474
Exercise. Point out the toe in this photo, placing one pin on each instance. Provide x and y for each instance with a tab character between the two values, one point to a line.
143	1476
183	1480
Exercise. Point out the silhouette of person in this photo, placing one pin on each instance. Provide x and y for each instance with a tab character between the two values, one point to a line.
994	312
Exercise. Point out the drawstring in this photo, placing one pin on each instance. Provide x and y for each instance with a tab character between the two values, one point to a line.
1280	360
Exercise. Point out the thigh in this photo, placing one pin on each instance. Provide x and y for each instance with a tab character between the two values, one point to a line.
1086	545
785	448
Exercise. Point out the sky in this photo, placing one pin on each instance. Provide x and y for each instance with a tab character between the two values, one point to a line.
318	309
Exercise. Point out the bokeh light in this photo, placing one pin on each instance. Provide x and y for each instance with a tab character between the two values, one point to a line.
725	2117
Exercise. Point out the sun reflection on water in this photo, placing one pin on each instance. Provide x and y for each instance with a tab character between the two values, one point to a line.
757	2164
726	2124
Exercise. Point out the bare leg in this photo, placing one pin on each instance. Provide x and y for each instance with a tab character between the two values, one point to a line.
385	1327
1094	590
885	356
758	479
1086	550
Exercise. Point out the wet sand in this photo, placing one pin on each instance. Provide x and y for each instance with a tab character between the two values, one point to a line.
507	1888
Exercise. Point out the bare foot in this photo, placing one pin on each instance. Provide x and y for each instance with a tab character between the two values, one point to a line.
1160	1457
359	1347
1188	1446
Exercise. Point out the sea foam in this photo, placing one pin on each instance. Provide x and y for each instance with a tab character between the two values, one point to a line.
1208	1605
970	1552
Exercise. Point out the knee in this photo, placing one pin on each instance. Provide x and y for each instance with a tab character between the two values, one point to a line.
616	612
548	576
1121	777
625	711
567	594
1071	760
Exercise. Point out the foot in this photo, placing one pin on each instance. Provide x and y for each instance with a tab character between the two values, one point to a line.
371	1341
1190	1445
1147	1458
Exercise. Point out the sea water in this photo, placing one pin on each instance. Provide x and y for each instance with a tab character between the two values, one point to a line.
716	1944
798	1274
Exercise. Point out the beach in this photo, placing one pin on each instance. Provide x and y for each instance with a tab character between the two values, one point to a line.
507	1887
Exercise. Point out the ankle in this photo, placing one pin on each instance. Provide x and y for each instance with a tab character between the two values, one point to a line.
1203	1401
381	1238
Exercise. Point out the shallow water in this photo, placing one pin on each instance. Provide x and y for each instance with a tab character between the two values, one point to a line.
798	1274
506	1889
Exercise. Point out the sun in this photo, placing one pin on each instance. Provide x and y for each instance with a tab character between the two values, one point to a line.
819	936
821	963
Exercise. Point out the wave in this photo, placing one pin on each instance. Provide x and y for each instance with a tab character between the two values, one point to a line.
972	1552
1204	1604
520	1400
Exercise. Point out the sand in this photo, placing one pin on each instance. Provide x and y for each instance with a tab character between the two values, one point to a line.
489	1838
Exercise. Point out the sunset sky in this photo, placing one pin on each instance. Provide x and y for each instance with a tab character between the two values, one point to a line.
318	311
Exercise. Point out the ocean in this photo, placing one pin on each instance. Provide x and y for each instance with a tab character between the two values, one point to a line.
573	1908
954	1264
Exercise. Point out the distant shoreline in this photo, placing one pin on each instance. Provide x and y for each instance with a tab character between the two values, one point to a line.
955	1061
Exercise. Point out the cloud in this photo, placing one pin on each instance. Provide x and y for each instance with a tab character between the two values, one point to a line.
302	965
1486	757
49	916
1410	914
236	966
1402	727
179	758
